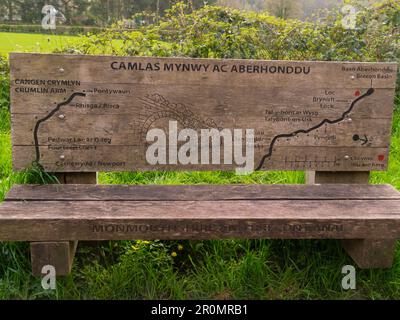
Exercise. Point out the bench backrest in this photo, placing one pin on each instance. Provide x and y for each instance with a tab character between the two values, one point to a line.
73	113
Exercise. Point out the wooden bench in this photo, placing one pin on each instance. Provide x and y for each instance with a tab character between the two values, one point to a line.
76	115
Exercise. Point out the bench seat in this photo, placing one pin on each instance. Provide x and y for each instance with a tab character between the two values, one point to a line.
67	212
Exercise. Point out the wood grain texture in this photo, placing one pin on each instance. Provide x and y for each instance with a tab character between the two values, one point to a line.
79	192
367	253
59	254
327	177
104	126
77	178
124	158
121	220
92	113
371	253
89	68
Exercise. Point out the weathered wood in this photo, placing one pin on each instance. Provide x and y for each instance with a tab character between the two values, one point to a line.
361	177
98	123
93	113
75	115
76	178
371	253
59	254
121	220
72	192
367	253
99	69
121	158
254	96
310	177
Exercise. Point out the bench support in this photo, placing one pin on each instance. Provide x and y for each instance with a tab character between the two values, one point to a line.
351	177
59	254
77	177
367	253
371	253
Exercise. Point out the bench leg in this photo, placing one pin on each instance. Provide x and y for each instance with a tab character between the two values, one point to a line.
58	254
351	177
367	253
371	253
77	177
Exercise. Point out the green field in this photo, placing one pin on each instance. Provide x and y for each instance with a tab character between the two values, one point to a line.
229	269
23	42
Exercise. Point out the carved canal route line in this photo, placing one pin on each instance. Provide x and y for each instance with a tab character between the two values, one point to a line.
369	92
51	113
291	134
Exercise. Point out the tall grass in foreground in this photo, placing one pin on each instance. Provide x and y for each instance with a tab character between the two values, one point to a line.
239	269
392	176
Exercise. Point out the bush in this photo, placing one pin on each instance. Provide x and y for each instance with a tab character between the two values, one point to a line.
220	32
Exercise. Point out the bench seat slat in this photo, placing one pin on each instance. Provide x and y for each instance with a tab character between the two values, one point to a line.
69	192
119	220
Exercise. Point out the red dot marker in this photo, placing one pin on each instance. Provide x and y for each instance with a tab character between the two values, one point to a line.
381	157
357	93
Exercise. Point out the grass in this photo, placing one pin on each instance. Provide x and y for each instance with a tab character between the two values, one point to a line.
228	269
23	42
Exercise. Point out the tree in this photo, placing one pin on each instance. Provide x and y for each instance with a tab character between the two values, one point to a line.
100	12
31	10
10	7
